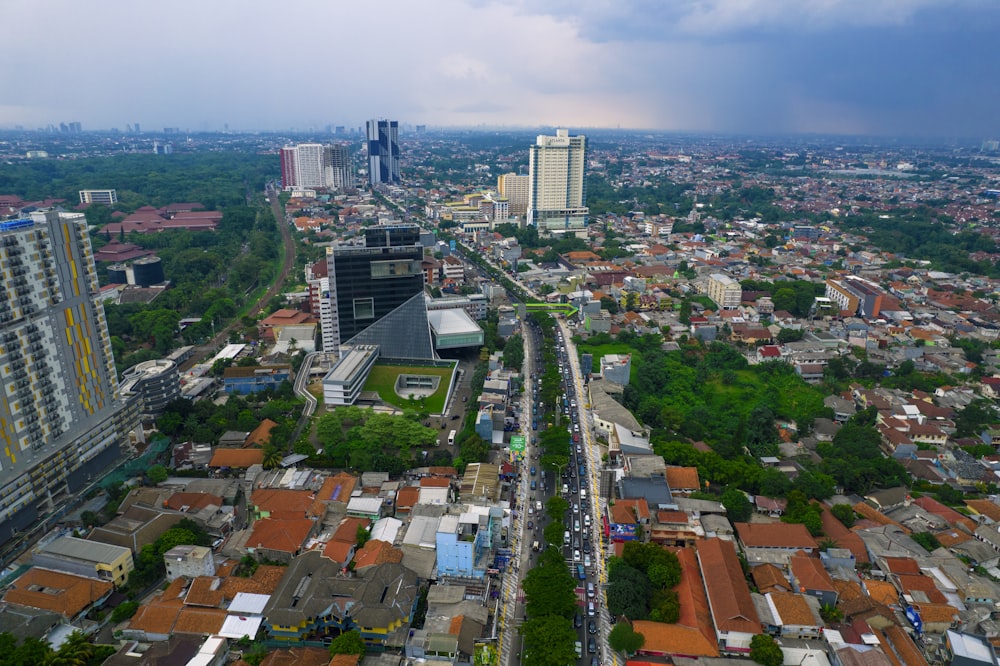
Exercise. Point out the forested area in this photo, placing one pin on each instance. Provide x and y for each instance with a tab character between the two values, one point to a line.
212	275
215	180
360	439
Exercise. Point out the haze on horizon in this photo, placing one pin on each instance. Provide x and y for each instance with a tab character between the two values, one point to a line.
881	67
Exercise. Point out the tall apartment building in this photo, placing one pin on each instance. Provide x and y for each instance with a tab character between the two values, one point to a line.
556	193
62	419
313	165
515	189
383	152
105	197
376	294
725	291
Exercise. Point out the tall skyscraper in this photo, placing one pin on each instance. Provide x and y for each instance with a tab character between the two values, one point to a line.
376	294
313	165
62	420
556	193
383	152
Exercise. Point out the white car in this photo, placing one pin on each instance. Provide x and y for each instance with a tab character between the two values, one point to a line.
576	525
576	555
586	561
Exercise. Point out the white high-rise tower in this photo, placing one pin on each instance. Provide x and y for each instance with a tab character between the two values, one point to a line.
556	194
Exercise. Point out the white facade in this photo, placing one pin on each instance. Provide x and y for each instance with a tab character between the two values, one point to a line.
309	165
725	291
556	196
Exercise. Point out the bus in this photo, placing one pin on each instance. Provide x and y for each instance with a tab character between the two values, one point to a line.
451	437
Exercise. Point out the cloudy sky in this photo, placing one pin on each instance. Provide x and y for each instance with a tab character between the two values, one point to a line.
891	67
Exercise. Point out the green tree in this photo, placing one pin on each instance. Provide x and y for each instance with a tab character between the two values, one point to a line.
738	507
628	593
621	638
765	650
844	513
927	540
348	642
361	536
549	640
124	611
556	507
157	474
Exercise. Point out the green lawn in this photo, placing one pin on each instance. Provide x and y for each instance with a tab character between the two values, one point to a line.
382	380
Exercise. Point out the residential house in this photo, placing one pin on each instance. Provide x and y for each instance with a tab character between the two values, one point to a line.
793	615
68	595
733	612
773	542
81	557
809	577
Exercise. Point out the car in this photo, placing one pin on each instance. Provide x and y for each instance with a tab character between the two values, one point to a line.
455	417
586	547
532	470
531	524
590	590
594	661
578	646
576	438
586	560
591	627
577	621
465	398
576	555
534	485
591	609
576	508
580	572
576	525
591	645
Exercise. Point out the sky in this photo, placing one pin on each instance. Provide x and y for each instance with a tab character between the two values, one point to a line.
926	68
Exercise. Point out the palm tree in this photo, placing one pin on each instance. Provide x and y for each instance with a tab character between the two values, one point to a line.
828	543
76	650
272	457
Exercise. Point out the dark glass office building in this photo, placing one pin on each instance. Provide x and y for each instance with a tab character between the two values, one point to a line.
378	292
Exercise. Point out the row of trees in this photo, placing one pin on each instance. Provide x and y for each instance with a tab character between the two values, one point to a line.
205	421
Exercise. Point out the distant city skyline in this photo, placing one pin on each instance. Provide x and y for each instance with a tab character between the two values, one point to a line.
869	67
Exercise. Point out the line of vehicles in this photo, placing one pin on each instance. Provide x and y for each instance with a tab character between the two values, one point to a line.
573	484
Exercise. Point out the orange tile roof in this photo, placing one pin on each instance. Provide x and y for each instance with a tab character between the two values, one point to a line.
260	435
434	482
775	535
193	501
342	487
901	565
950	538
286	536
199	621
917	586
882	591
768	577
899	647
845	538
348	529
876	516
204	591
269	500
694	613
671	517
343	660
621	514
639	507
674	639
376	551
728	594
793	609
156	617
810	574
683	478
936	612
986	508
455	627
236	458
265	580
176	589
338	551
938	509
406	497
847	590
305	656
57	592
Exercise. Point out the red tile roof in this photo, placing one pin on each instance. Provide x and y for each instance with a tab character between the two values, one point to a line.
261	434
810	574
775	535
269	500
769	578
728	594
57	592
236	458
286	536
683	478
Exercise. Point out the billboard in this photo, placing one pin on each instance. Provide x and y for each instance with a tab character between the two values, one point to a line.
517	443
